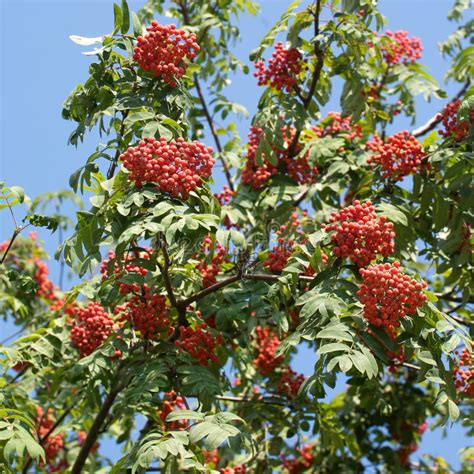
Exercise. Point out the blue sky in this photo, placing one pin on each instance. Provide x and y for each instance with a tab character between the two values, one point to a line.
40	66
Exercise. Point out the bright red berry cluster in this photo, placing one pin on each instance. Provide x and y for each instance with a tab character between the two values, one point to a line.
267	344
283	67
402	49
359	234
209	271
234	470
121	268
335	124
290	382
175	167
388	295
399	156
163	49
92	325
171	402
452	127
53	444
147	314
299	464
298	167
200	343
224	196
211	457
45	285
464	374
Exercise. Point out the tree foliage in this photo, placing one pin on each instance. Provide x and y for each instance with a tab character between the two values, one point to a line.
332	236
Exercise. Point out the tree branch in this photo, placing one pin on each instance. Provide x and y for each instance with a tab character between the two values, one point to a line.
205	108
436	119
95	429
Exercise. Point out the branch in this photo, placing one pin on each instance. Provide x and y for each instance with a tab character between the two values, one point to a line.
454	299
205	108
436	119
95	429
113	165
266	400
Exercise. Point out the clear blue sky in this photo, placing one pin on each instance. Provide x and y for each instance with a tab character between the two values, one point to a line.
40	66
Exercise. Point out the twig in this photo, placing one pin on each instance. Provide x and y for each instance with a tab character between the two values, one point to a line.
436	119
205	109
266	400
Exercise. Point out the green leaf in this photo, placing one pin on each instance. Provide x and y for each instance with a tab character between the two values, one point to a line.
453	411
118	16
125	17
332	347
18	192
83	41
137	25
185	415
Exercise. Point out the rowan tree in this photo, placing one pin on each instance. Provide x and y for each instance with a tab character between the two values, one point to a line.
335	233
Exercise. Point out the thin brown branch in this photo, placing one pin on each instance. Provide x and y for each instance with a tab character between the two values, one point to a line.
211	289
15	234
454	299
436	119
265	400
205	108
95	429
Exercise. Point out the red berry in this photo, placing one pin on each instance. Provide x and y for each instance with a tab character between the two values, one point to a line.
402	49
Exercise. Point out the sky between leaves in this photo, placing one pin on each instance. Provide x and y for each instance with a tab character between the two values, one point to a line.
40	66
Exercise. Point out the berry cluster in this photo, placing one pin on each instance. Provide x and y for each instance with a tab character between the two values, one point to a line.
224	196
45	285
121	268
199	343
92	325
402	49
211	457
287	235
359	234
209	271
453	128
298	167
464	374
234	470
335	124
147	314
301	463
283	67
267	344
171	402
53	444
290	382
163	49
399	156
175	167
388	295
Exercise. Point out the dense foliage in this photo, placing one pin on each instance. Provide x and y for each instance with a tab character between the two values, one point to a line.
332	236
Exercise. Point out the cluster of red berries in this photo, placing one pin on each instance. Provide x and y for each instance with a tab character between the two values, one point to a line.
91	326
464	374
234	470
147	314
287	235
335	124
452	127
171	402
199	343
399	156
224	196
388	295
209	271
407	448
121	268
298	167
359	234
53	444
290	382
45	285
211	457
176	167
402	49
267	344
163	49
301	463
283	67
